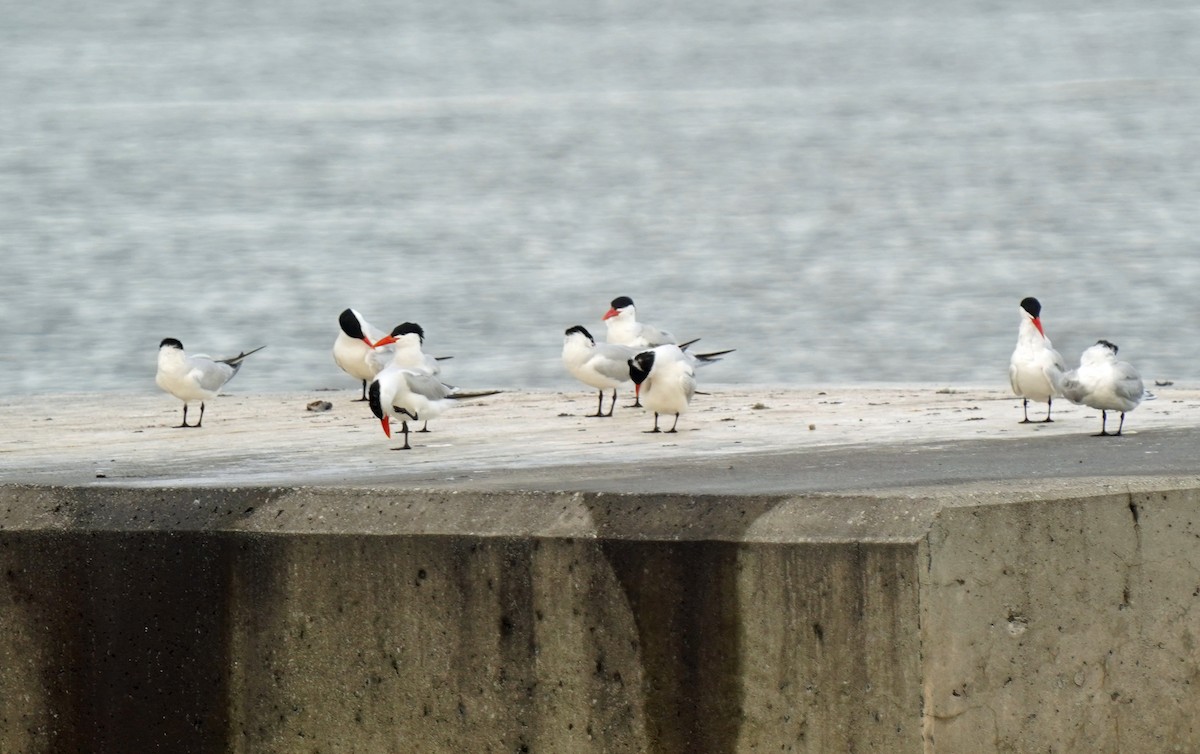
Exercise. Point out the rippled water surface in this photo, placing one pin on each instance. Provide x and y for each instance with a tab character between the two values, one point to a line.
842	191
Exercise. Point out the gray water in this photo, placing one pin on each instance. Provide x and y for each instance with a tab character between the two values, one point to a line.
843	191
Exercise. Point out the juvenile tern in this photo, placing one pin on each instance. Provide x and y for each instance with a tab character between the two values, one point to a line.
1035	369
667	381
1104	383
354	351
194	378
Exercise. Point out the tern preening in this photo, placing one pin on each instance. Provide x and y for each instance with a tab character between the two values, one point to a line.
403	394
1104	383
194	378
354	350
624	329
667	381
606	365
406	340
1035	368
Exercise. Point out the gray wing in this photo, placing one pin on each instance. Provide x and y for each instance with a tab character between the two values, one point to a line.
1127	382
426	385
612	360
1072	388
211	375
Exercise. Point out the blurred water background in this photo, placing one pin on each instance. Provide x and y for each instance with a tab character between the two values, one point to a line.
844	191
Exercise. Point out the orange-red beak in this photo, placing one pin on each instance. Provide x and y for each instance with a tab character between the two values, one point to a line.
385	340
1038	324
387	427
611	313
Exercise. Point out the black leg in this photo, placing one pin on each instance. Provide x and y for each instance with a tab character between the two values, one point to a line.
1103	420
404	429
201	419
185	424
656	429
672	429
364	395
1049	402
1122	424
614	401
1025	405
600	406
424	427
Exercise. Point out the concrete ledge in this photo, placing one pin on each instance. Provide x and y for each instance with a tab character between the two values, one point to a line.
886	606
1005	626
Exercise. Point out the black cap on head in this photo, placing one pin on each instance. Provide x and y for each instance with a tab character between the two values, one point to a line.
640	366
620	302
350	325
1107	344
580	329
171	343
406	328
1033	306
374	401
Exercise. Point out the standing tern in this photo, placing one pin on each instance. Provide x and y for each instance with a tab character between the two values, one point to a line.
1035	369
354	350
1107	384
606	365
667	380
625	330
601	365
403	394
194	378
406	340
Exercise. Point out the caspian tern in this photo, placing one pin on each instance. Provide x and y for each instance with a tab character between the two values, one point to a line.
194	378
405	340
667	380
606	365
1107	384
625	330
601	365
1035	369
403	394
354	349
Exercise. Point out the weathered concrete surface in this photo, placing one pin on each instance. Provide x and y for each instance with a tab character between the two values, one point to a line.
914	573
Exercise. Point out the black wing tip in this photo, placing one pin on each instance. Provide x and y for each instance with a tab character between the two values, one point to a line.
459	395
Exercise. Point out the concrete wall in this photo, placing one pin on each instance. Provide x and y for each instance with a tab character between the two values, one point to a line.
379	621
